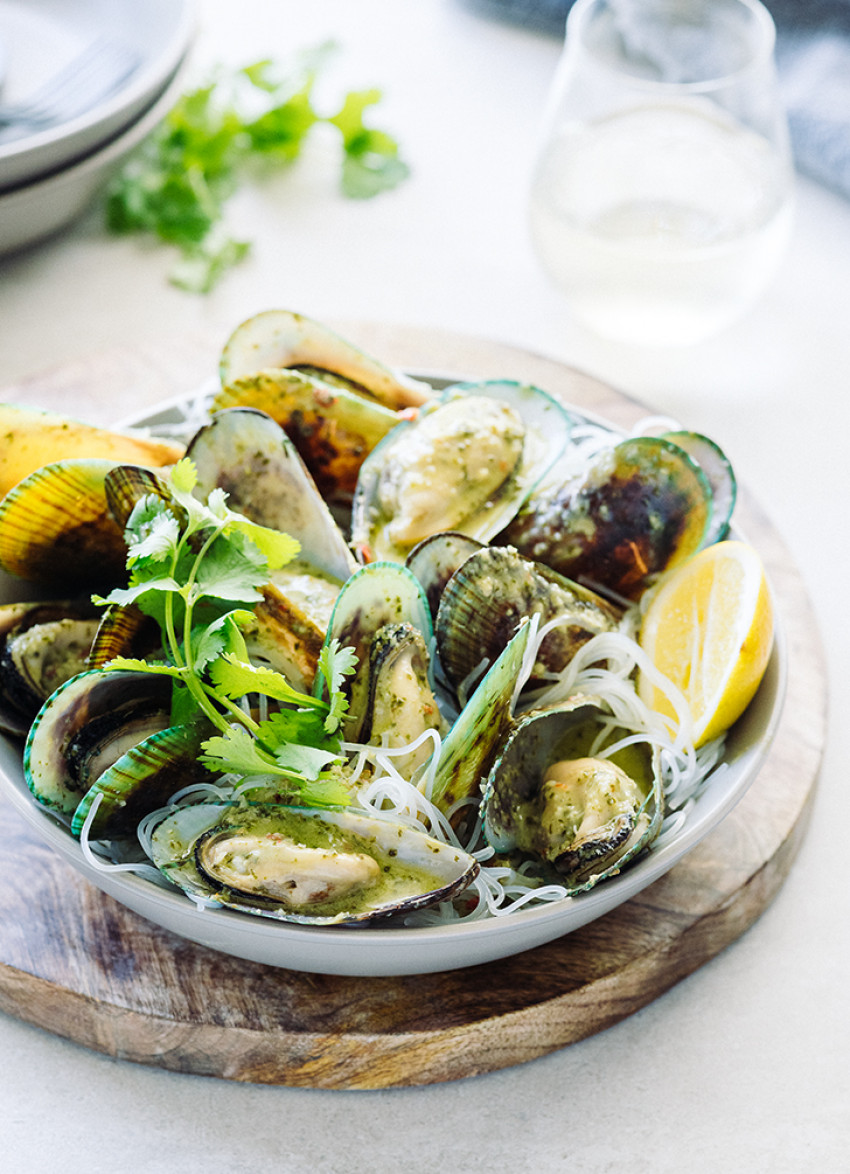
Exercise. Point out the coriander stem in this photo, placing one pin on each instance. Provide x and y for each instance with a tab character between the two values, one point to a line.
170	630
239	712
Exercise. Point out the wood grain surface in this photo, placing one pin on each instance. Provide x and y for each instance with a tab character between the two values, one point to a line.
76	963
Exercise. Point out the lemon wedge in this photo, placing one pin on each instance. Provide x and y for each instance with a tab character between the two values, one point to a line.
709	629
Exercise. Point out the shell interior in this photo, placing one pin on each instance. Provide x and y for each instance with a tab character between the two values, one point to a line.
282	338
471	744
85	726
246	453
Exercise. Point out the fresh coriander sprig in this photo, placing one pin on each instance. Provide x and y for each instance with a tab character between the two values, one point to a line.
178	183
198	569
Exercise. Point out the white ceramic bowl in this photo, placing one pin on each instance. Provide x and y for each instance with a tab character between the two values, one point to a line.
396	951
38	209
157	31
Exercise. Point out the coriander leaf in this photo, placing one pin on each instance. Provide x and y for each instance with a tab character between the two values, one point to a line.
335	664
134	664
234	569
366	173
277	547
184	706
308	762
152	532
327	791
282	130
200	268
235	678
136	592
184	475
198	516
371	163
210	641
237	752
295	725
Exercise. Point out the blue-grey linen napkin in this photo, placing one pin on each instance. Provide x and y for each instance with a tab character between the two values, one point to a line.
813	60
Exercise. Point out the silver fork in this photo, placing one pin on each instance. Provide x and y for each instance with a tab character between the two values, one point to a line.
93	74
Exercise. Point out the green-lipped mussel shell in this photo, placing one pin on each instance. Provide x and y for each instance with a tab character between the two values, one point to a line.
292	622
56	528
142	780
567	732
435	559
333	428
282	338
721	477
25	680
472	743
466	463
126	485
401	704
85	726
495	588
246	453
124	630
641	508
42	656
375	596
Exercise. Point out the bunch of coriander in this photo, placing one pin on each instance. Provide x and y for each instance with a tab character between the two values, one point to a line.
177	184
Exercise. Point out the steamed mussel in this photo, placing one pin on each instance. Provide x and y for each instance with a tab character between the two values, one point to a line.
559	795
41	646
466	462
313	867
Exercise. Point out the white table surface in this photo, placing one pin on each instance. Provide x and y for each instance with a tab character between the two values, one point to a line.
744	1066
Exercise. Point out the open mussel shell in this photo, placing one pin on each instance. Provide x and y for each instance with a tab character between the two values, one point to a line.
142	780
33	438
55	527
85	726
333	428
292	621
12	721
485	600
246	453
124	630
283	339
436	558
306	866
50	644
375	596
640	508
552	797
125	487
720	475
467	462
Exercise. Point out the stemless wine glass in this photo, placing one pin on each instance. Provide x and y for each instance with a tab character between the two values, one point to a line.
661	200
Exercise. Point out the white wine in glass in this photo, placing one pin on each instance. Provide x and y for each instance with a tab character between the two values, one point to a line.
661	201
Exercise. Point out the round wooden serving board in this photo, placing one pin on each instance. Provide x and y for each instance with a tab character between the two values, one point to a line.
75	962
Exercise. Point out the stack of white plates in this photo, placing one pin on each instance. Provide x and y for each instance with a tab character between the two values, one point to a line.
127	62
